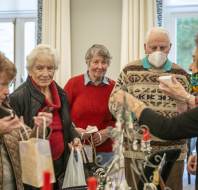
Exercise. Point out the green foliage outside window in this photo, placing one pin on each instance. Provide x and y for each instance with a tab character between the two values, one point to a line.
187	29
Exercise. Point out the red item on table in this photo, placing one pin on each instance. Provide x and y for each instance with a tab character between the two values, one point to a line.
92	183
146	135
46	183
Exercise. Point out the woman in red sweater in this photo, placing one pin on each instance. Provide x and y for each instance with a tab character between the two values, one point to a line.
88	96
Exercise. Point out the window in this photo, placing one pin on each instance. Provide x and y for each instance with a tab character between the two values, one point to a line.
181	19
18	33
7	38
29	44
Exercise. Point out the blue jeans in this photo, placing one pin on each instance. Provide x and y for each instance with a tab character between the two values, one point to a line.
104	158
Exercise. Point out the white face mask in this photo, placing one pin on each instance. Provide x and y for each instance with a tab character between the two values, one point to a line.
157	58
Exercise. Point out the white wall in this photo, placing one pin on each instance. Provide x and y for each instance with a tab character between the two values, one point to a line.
95	21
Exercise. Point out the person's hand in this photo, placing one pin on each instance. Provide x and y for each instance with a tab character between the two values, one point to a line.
181	106
7	124
76	144
174	89
82	133
192	164
38	120
100	137
119	97
122	98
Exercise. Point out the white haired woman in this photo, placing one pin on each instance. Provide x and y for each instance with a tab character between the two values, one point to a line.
41	93
10	170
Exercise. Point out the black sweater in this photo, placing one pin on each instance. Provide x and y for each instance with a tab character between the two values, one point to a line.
182	126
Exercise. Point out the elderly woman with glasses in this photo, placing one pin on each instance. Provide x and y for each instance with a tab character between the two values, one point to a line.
41	93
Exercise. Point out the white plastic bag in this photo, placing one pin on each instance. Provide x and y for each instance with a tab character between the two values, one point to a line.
74	174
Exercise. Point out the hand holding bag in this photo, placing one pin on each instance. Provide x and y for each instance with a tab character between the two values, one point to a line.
91	168
35	156
74	175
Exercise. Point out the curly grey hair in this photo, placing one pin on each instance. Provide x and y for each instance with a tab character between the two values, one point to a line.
99	50
42	49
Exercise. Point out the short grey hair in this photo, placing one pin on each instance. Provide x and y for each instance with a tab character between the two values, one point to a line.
98	50
159	30
42	49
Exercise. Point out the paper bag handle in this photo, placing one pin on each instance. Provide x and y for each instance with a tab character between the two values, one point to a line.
24	128
94	150
44	127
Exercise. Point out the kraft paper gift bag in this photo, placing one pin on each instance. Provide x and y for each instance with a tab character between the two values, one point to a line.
35	156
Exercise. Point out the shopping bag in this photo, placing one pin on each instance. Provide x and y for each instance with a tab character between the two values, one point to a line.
90	161
35	156
91	168
74	175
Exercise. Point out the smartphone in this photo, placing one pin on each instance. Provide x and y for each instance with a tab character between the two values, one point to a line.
166	79
6	112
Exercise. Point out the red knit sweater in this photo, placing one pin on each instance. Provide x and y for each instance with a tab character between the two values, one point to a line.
89	106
